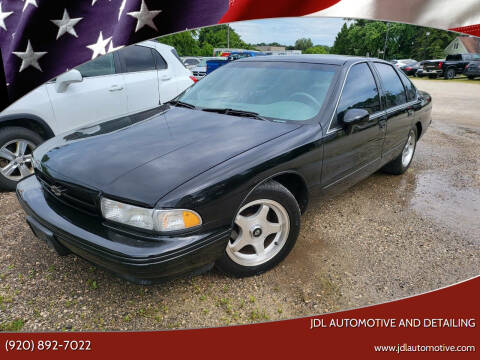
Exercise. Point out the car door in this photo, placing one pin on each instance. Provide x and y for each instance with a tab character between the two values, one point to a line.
351	154
399	112
140	77
167	79
99	96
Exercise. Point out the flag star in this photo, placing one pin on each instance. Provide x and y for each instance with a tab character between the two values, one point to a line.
27	2
3	16
99	47
29	57
122	7
94	1
111	48
66	25
144	17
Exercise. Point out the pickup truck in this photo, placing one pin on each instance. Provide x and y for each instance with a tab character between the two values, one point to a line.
452	66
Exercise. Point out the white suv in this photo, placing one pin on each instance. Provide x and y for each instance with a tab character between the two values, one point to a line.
130	80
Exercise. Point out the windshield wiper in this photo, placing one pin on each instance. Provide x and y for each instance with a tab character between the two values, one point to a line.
182	104
236	112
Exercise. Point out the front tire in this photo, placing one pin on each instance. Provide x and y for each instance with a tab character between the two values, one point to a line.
265	230
402	162
16	148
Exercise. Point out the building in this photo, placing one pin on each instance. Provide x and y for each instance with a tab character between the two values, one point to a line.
463	45
271	48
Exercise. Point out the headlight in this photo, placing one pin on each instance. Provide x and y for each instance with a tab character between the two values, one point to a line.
150	219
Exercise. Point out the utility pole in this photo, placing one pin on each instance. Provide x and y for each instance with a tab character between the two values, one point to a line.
228	36
386	39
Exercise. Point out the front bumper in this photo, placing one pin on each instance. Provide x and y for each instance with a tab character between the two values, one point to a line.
128	255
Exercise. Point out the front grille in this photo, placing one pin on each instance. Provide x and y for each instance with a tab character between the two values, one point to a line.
78	197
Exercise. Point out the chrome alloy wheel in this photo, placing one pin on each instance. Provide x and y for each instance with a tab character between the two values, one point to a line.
16	161
260	231
408	150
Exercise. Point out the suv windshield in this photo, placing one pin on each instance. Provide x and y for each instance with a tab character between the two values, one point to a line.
278	90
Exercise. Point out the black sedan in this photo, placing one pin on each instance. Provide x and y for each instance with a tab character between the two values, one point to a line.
412	68
472	70
221	174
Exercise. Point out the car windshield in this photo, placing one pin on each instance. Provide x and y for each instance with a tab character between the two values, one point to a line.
277	90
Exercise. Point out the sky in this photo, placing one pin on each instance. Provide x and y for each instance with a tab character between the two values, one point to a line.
286	31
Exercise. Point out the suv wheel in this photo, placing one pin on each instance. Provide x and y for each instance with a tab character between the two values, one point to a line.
265	230
450	74
16	148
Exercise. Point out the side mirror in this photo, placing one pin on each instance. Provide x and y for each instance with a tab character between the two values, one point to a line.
355	116
66	79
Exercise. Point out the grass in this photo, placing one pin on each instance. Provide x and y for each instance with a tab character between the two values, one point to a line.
14	325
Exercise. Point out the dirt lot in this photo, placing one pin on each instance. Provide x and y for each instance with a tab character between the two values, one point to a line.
386	238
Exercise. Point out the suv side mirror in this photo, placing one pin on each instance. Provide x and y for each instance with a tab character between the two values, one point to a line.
66	79
355	116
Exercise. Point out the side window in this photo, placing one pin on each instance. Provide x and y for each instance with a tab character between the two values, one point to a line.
102	65
360	91
137	58
392	85
411	90
159	60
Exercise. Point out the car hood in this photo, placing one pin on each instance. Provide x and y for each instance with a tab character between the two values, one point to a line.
142	157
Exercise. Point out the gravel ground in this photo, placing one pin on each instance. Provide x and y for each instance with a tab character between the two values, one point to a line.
386	238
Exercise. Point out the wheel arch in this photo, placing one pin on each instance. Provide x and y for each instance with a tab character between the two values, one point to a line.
28	121
293	181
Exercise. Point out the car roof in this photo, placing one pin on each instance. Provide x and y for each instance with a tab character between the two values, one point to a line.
312	58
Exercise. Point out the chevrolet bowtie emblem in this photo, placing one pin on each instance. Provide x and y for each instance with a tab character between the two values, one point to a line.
56	190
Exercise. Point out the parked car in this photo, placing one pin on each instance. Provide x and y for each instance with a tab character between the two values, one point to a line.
130	80
403	62
473	70
222	173
190	62
411	69
452	66
200	70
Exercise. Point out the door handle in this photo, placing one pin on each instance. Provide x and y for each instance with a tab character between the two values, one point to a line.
165	78
115	88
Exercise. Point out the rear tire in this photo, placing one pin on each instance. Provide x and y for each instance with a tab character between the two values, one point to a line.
16	147
449	74
265	230
402	162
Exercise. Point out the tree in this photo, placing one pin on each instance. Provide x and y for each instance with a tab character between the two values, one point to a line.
365	37
317	49
303	44
185	43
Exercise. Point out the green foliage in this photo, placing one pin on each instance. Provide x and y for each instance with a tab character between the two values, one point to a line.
303	44
317	49
202	42
364	38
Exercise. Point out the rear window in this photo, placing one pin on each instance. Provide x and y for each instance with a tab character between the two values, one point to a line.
174	52
454	57
392	85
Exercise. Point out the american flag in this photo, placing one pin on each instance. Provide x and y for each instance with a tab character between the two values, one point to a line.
40	39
